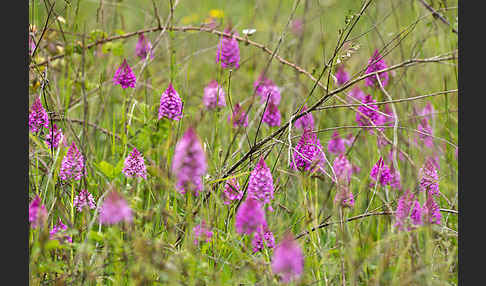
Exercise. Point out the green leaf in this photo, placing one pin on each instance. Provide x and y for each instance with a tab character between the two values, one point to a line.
119	32
96	236
118	168
97	34
106	168
106	48
118	49
53	244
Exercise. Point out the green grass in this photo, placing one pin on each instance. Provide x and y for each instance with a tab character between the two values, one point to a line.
370	249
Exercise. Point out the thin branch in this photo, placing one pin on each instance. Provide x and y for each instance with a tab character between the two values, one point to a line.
360	217
437	15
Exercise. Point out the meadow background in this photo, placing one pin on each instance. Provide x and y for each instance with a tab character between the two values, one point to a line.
83	44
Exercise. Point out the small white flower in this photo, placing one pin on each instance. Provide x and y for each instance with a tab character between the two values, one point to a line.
249	32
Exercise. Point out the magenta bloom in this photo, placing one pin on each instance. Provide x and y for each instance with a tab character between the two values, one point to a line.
115	209
344	197
390	119
250	216
134	165
297	27
57	230
383	171
214	95
429	180
288	260
341	75
336	144
260	184
399	157
308	152
427	112
72	165
189	163
239	118
170	104
405	203
271	116
431	211
306	121
228	52
424	128
395	178
31	44
376	63
416	214
201	233
261	83
54	136
270	91
342	168
232	191
124	76
371	111
37	212
143	47
262	237
357	94
37	116
84	199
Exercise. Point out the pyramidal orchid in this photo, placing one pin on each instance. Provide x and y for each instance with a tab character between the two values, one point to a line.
336	144
189	163
115	209
429	181
72	165
84	200
57	232
260	183
270	91
357	94
134	165
368	114
306	121
416	214
37	116
431	211
341	75
261	83
232	191
297	27
214	95
405	203
262	237
124	76
288	260
376	63
143	47
239	118
37	212
383	171
424	129
228	52
395	180
250	216
54	136
271	116
308	152
201	233
170	104
344	197
342	168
